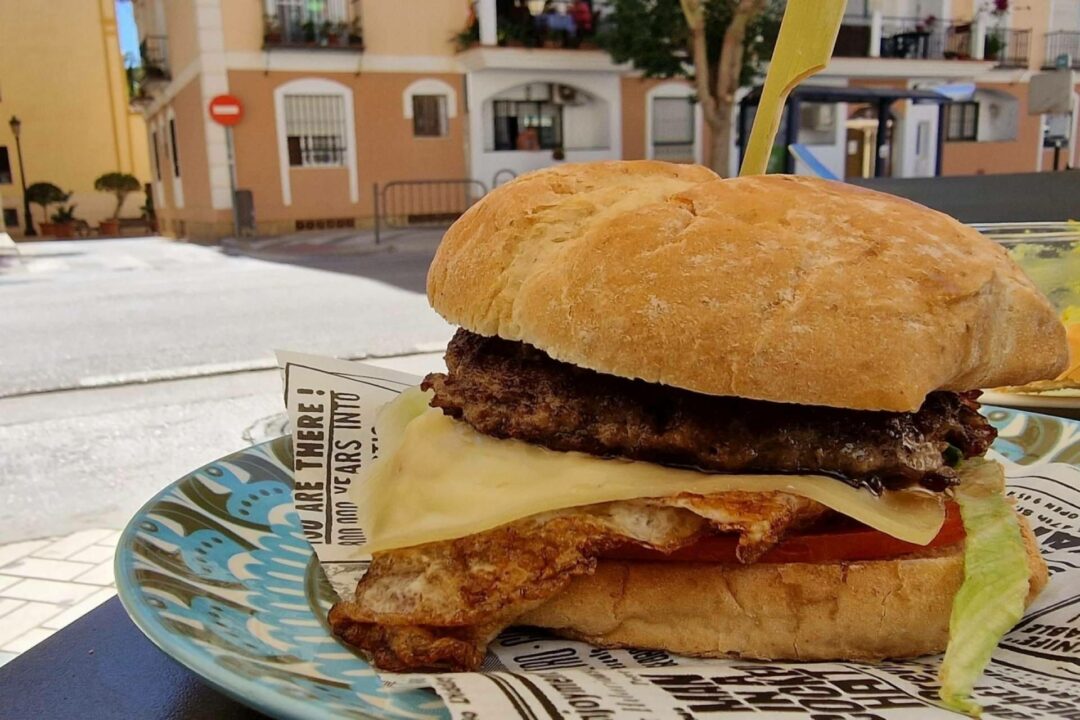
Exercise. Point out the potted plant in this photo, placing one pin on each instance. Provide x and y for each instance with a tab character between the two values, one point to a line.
45	194
308	29
467	37
120	185
63	222
356	36
149	214
271	30
339	34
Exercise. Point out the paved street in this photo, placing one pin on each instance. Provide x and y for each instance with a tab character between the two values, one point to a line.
87	313
124	364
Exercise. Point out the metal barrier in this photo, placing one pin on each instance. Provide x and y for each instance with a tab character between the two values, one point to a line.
423	203
497	178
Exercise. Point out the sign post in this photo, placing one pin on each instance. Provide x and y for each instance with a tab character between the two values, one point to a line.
227	111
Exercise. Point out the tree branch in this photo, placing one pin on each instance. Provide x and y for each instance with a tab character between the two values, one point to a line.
729	66
694	11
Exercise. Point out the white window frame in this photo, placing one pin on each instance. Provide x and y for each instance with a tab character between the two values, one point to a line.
672	90
429	86
158	179
173	150
315	86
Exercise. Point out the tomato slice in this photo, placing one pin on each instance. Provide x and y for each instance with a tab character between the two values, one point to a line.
837	545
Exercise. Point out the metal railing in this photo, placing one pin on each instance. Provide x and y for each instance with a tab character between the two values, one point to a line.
1028	231
1062	42
423	203
501	176
927	38
1009	48
296	24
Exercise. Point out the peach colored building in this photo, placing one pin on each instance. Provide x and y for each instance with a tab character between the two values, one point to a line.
343	96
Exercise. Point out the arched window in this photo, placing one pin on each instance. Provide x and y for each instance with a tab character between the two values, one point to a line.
316	127
430	104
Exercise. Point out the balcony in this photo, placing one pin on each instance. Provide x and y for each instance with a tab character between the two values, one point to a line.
154	54
1009	48
528	25
1062	42
152	73
930	38
311	26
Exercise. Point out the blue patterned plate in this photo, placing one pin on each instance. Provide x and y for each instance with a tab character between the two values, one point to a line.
216	572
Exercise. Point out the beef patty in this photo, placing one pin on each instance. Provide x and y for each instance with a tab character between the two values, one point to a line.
513	390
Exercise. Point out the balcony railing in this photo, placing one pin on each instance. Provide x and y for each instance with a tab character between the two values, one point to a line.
311	25
928	38
1062	42
1010	48
151	74
575	28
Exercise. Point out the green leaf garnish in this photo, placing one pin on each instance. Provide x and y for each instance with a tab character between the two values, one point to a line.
991	598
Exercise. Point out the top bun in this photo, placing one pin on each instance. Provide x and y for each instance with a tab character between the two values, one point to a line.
772	287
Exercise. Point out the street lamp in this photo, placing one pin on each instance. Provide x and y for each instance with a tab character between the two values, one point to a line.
16	126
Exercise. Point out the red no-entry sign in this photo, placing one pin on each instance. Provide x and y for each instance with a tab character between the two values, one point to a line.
226	110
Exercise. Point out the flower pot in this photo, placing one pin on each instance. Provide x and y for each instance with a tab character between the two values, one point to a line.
58	230
109	228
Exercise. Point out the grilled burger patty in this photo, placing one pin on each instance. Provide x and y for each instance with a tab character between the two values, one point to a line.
513	390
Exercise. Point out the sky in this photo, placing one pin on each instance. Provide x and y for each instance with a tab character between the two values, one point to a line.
129	34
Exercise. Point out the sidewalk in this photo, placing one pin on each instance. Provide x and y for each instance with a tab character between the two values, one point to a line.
344	241
50	583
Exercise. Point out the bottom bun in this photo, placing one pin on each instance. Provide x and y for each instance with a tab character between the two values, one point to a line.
782	611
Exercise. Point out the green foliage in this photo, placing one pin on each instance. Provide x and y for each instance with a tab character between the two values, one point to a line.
119	184
66	214
45	194
115	182
654	37
468	37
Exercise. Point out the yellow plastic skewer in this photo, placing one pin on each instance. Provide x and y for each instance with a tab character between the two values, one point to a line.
803	47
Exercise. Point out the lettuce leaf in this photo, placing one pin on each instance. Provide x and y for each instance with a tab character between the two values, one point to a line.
992	597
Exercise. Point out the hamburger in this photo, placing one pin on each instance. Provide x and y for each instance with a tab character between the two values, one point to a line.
718	417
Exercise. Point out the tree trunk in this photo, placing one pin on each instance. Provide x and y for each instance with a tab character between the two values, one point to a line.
728	69
694	12
120	197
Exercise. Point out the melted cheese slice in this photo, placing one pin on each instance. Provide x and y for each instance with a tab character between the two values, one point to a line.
443	480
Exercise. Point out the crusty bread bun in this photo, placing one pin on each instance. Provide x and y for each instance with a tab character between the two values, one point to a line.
790	611
780	288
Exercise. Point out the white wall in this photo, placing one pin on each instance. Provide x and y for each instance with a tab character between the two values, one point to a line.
999	116
832	155
482	85
909	160
902	8
585	127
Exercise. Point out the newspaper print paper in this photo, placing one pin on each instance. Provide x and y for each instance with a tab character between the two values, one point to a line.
1035	672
